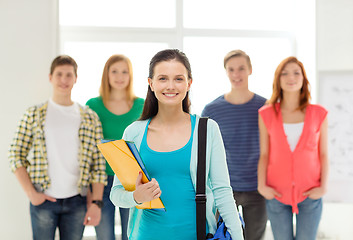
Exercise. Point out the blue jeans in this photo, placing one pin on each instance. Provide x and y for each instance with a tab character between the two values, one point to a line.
124	218
105	229
307	220
66	214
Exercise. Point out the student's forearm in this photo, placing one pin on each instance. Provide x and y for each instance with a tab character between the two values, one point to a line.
264	154
25	181
97	191
261	172
324	171
324	154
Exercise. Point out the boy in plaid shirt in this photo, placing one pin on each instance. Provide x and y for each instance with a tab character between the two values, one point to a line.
55	159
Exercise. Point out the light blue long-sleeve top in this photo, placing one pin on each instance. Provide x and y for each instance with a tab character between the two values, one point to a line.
218	190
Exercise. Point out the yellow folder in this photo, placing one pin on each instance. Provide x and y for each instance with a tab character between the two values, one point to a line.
125	166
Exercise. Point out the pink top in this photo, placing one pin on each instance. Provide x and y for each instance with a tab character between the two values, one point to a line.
293	173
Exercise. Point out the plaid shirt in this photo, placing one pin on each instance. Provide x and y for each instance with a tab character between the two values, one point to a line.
28	149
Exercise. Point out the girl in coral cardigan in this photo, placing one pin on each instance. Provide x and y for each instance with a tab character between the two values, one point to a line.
293	164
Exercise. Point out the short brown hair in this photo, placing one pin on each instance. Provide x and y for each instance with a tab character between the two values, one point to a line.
237	53
63	60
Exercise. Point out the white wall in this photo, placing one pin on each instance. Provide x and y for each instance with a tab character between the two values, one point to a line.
334	21
27	47
334	35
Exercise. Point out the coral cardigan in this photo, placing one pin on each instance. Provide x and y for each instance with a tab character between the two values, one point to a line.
293	173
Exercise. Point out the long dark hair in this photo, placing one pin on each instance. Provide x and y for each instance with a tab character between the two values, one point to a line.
150	109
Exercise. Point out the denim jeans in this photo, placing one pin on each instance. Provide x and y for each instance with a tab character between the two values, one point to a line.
66	214
307	220
254	213
105	229
124	218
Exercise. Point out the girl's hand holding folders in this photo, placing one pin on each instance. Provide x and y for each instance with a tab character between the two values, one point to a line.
146	192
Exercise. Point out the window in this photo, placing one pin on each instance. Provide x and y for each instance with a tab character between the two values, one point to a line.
117	13
91	31
91	58
210	79
235	14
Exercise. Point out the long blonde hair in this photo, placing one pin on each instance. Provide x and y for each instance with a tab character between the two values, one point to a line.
105	88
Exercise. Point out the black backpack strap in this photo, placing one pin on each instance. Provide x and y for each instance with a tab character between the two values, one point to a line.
200	197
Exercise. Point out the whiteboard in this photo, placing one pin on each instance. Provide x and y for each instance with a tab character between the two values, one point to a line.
336	95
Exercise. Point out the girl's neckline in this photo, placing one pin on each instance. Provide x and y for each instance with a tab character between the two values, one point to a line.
192	122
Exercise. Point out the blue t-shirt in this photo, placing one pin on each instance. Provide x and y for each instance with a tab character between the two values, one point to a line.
172	171
239	127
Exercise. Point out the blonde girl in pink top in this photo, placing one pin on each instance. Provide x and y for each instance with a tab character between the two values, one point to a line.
293	164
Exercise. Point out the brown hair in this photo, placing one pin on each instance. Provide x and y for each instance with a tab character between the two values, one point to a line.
277	94
63	60
105	88
237	53
150	109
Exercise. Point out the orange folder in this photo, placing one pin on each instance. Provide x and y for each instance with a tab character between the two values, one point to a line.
126	168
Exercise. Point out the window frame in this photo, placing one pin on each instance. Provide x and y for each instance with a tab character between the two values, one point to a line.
174	37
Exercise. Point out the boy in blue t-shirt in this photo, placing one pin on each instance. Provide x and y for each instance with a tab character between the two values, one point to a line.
236	113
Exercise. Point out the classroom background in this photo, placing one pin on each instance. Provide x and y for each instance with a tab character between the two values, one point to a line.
319	33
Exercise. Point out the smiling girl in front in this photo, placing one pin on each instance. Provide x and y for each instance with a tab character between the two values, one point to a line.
166	137
293	164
